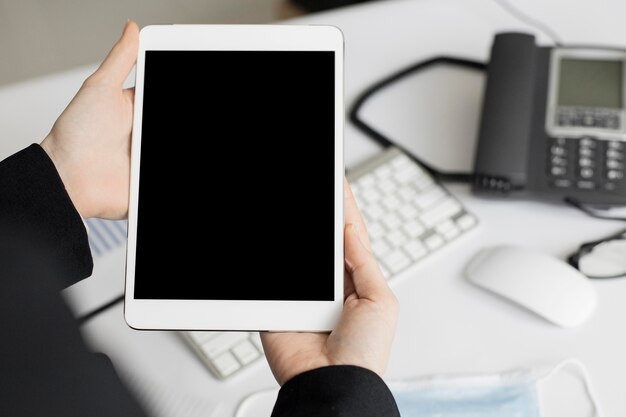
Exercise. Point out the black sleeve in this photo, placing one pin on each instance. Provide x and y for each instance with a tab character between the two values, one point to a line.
336	391
36	213
45	367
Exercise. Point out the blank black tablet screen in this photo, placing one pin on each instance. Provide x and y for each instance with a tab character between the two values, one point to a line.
236	188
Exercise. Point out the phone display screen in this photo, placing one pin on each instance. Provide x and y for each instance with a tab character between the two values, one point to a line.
590	83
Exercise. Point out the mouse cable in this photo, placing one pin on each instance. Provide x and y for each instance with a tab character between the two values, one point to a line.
383	140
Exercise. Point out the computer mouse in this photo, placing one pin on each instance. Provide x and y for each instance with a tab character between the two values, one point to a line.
539	282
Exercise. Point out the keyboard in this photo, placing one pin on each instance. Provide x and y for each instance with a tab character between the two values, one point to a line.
409	216
225	353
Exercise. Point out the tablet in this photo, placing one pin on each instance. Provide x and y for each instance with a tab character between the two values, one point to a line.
236	197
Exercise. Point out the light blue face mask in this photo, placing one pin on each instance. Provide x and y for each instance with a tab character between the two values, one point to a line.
508	394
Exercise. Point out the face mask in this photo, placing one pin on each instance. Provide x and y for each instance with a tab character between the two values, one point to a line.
508	394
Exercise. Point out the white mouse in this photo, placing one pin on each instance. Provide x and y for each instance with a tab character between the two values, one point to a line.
546	285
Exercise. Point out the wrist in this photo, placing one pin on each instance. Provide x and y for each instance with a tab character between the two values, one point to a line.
67	174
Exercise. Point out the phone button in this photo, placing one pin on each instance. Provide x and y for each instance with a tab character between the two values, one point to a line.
562	183
586	185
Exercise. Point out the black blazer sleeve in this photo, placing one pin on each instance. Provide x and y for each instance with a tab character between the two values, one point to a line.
336	391
45	367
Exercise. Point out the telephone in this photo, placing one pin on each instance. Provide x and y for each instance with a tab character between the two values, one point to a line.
553	123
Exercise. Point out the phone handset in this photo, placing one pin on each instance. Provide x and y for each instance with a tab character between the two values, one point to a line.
506	120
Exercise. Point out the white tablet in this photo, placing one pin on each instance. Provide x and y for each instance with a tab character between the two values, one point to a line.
236	197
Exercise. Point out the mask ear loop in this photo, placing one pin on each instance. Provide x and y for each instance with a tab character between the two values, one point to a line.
578	365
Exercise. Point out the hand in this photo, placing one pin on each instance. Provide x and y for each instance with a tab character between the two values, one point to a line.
90	142
367	325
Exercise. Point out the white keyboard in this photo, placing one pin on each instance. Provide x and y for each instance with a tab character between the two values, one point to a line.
409	216
225	353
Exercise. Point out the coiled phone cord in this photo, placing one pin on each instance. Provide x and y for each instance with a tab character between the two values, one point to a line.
353	114
499	185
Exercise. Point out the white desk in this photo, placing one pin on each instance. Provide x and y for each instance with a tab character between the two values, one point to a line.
446	325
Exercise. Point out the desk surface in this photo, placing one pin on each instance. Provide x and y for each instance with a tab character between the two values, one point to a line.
446	325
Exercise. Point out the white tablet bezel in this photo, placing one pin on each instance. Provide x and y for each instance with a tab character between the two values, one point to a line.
232	314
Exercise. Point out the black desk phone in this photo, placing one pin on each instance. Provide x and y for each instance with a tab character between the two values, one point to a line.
553	123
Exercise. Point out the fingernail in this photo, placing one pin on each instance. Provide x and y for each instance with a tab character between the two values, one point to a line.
350	228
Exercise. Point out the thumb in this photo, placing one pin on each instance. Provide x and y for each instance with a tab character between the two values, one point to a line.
121	59
367	277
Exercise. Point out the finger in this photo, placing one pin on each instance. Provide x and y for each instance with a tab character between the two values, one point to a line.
367	278
121	59
352	215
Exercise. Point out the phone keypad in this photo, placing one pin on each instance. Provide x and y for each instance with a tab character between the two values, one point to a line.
586	163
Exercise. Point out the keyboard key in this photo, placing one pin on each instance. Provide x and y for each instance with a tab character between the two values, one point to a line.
434	241
221	342
429	197
415	249
407	211
226	364
374	211
391	202
407	194
246	352
445	208
366	181
405	174
375	231
387	186
380	248
399	161
397	238
371	195
466	222
413	229
391	221
452	233
396	261
424	182
448	229
383	172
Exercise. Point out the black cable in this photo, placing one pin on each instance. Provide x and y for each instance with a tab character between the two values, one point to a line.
354	117
589	211
82	319
587	248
